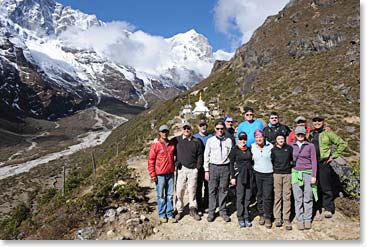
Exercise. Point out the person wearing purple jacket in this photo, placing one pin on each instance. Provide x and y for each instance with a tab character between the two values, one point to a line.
303	178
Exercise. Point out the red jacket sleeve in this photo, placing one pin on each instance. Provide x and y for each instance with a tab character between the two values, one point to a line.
151	160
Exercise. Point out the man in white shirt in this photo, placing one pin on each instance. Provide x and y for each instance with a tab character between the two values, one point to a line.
216	166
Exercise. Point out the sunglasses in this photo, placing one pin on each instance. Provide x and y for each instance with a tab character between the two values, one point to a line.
165	131
301	121
250	114
317	120
242	138
187	128
300	135
229	121
219	128
274	118
202	125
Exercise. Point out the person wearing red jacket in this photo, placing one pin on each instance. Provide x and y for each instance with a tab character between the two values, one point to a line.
300	121
161	170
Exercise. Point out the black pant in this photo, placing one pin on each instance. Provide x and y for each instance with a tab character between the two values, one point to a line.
202	202
327	186
243	194
218	187
264	196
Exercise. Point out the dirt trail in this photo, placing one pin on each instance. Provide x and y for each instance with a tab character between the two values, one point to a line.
337	228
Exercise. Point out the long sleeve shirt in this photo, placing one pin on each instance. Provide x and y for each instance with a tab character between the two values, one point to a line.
189	152
324	142
282	159
306	159
217	151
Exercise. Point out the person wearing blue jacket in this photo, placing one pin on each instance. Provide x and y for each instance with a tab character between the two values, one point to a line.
249	125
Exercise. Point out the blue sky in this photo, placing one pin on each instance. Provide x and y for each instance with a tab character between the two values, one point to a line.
223	22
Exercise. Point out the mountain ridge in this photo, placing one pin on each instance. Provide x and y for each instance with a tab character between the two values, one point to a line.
63	47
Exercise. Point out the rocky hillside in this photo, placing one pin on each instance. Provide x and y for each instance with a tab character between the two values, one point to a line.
303	61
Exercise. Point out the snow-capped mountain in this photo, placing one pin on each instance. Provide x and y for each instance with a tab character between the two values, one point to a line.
69	60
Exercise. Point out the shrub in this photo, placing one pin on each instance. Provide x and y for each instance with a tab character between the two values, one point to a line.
9	226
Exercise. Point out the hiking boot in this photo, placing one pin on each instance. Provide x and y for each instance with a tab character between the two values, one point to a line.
300	226
225	217
194	214
268	223
211	217
317	216
288	225
172	220
278	223
261	220
178	216
241	223
328	214
308	225
248	223
163	220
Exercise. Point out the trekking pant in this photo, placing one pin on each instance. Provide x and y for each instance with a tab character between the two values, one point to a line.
202	202
303	199
164	187
243	195
218	187
264	196
326	184
186	177
282	196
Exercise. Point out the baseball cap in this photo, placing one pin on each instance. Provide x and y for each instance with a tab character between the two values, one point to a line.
318	117
299	118
228	118
300	130
185	124
163	127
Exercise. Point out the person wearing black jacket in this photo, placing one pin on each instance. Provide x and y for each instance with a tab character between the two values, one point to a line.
274	128
242	176
229	130
189	159
282	160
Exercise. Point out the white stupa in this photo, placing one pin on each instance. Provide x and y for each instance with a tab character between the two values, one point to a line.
200	108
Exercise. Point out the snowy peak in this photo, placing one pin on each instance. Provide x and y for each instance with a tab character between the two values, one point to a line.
66	17
191	45
34	15
46	17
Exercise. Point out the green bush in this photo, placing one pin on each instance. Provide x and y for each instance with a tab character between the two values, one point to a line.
47	197
9	226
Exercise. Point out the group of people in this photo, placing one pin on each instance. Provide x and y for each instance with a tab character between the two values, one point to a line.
272	162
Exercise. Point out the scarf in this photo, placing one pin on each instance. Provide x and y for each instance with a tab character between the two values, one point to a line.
244	148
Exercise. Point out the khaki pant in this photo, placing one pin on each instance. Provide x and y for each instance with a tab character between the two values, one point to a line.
186	177
282	194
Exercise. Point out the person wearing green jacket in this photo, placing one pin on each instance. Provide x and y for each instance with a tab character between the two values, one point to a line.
323	141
